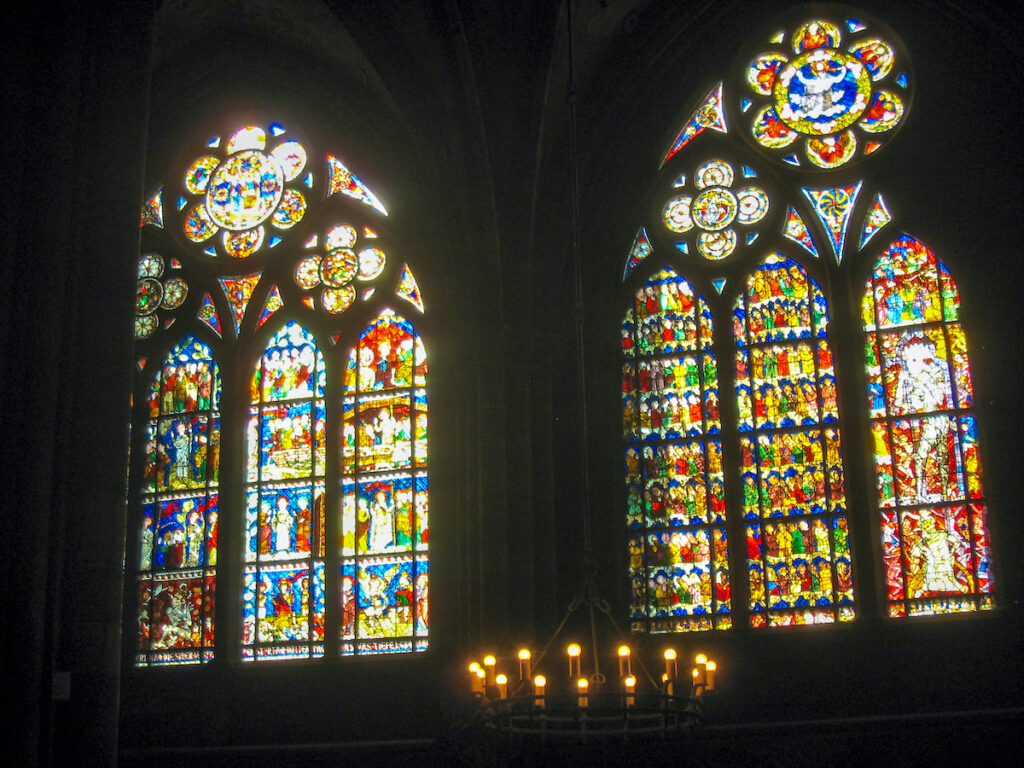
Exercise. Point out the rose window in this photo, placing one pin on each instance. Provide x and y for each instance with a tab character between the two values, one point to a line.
834	103
715	210
152	294
243	192
343	263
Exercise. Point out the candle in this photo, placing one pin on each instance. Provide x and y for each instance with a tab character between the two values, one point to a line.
630	683
489	662
625	665
574	652
502	682
524	664
668	684
538	690
582	686
671	669
700	676
711	667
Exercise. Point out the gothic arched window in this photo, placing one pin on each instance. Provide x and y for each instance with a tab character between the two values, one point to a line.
925	439
177	563
761	199
678	546
272	257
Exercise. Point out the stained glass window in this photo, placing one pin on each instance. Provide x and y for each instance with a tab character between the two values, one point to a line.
177	555
678	545
794	502
819	95
263	238
284	580
934	538
385	524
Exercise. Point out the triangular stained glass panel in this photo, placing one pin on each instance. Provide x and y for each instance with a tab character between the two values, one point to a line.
751	237
833	208
175	264
335	337
719	283
273	303
276	129
641	250
141	362
877	217
745	105
408	289
367	232
795	229
779	37
680	182
153	211
901	80
311	243
182	202
208	314
683	247
342	180
169	322
709	114
238	291
308	301
368	292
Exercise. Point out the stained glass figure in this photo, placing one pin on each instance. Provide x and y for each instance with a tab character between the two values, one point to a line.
678	546
876	218
153	211
713	210
794	502
286	449
238	291
641	248
829	99
833	208
408	289
709	115
920	392
237	194
342	180
177	553
384	519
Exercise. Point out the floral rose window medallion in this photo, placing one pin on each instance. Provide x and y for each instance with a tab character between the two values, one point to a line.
837	103
715	211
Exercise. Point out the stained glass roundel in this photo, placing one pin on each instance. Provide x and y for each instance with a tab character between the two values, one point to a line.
244	190
837	89
822	91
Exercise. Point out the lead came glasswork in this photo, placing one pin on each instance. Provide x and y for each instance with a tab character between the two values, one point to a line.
385	501
283	584
176	579
927	468
825	94
674	478
798	556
